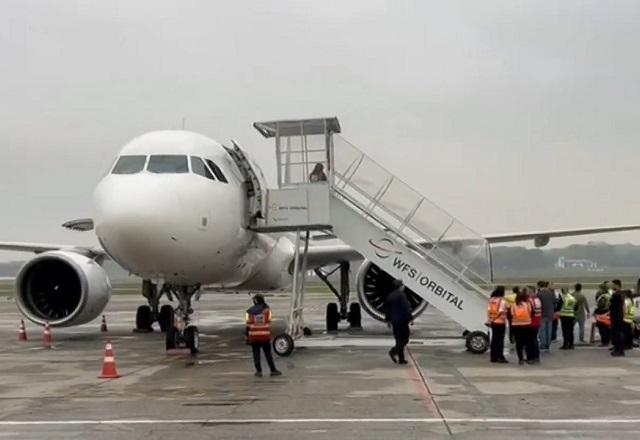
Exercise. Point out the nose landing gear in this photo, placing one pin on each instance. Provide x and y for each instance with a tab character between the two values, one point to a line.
180	332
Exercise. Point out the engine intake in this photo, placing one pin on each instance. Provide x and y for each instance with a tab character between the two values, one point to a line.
374	284
62	288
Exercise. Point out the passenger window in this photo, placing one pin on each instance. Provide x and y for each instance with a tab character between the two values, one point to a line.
199	168
217	171
129	164
168	164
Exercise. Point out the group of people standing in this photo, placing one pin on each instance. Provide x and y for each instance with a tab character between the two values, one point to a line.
532	315
614	315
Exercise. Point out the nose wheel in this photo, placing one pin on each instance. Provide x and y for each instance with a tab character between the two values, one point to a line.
180	333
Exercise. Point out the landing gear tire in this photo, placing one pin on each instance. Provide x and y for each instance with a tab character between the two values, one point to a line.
477	342
171	338
165	318
283	345
355	315
333	317
144	319
192	339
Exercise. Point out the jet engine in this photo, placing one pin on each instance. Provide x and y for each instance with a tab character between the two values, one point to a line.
374	284
62	288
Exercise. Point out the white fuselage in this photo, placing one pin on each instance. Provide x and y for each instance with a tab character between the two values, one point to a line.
162	222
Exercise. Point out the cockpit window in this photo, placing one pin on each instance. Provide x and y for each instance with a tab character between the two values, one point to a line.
168	164
199	168
217	171
129	164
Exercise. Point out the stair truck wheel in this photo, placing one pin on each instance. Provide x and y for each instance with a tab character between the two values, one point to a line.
355	315
333	317
171	337
166	317
477	342
144	318
192	338
283	345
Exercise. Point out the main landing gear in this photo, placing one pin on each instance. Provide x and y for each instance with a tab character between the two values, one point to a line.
179	332
341	310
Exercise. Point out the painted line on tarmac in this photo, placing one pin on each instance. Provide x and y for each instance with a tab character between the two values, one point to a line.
454	420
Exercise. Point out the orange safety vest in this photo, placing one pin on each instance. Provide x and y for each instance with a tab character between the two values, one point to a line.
259	326
494	311
521	314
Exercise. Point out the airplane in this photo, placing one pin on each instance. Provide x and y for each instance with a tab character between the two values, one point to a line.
172	210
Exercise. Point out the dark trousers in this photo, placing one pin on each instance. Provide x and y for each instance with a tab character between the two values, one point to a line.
401	335
522	335
497	342
568	322
628	335
617	337
605	333
554	330
266	347
534	344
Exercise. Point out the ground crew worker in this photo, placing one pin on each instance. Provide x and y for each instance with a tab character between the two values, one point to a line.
536	320
548	300
398	315
616	311
520	313
629	314
497	318
603	319
258	319
568	319
582	310
511	299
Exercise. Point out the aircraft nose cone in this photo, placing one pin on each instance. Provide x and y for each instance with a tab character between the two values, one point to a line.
136	224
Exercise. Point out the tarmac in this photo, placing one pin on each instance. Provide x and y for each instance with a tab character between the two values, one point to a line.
336	386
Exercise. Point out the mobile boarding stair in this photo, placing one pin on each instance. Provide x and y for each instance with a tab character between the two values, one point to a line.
377	214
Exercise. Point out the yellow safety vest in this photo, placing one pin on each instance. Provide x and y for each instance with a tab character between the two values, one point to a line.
568	306
629	310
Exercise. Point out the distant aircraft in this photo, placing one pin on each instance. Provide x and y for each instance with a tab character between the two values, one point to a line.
172	210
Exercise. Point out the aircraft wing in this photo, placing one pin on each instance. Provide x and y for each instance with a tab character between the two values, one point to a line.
541	238
38	248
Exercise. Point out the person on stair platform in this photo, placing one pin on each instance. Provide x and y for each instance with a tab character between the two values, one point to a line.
258	320
496	319
398	316
318	175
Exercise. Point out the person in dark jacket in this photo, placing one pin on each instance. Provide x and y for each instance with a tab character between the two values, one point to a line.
398	315
616	311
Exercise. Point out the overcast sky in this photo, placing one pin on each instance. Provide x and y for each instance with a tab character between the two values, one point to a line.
511	115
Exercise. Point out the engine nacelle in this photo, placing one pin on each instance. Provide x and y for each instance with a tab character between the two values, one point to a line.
374	284
62	288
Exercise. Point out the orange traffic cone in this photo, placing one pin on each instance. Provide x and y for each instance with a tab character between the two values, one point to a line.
109	370
103	327
22	331
47	337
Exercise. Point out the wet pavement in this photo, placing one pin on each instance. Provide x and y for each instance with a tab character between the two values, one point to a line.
342	386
